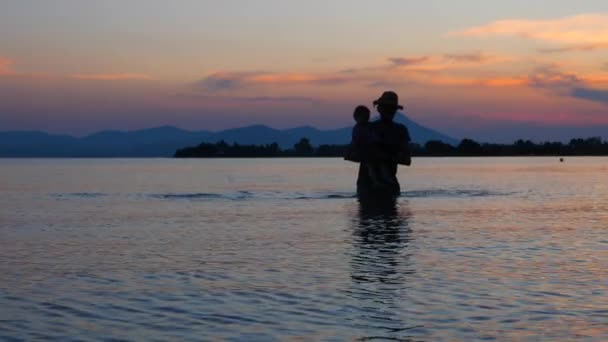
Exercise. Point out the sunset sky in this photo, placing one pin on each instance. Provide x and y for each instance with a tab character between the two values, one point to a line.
79	66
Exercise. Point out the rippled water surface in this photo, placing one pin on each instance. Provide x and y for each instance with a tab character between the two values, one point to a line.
262	249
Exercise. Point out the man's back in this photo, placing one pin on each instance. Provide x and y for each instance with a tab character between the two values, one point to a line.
393	136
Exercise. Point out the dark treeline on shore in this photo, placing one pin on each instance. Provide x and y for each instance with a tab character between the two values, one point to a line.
594	146
223	150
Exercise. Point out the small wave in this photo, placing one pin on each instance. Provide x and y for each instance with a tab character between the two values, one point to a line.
245	195
325	195
248	195
451	193
278	195
80	195
192	196
341	196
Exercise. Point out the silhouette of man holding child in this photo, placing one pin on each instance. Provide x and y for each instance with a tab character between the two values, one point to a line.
378	147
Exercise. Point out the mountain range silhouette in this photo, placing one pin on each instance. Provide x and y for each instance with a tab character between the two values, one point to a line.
165	140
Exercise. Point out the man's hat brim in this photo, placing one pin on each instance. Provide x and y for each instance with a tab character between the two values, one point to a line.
378	102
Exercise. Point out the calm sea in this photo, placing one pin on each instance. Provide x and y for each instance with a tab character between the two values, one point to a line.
279	249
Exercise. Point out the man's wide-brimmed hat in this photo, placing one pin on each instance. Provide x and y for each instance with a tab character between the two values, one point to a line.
388	98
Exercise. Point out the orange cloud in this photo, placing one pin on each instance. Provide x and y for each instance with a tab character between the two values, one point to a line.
543	77
476	57
486	82
504	82
111	77
395	70
587	31
284	78
447	61
222	80
548	77
408	61
583	47
6	66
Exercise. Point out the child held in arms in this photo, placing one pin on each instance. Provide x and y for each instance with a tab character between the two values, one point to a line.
365	147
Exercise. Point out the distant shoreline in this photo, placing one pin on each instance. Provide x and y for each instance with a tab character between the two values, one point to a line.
307	157
590	147
467	148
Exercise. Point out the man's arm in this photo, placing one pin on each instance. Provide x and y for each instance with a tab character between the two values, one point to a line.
405	155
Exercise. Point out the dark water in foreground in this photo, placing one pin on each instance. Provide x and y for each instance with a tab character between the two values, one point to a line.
494	248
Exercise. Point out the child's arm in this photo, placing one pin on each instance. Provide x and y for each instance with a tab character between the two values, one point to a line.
351	153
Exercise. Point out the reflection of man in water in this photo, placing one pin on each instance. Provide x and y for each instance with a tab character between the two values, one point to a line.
381	232
380	266
394	147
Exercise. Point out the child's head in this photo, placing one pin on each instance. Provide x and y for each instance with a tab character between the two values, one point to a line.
361	114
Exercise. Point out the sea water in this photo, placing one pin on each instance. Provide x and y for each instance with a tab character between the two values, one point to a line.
280	249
